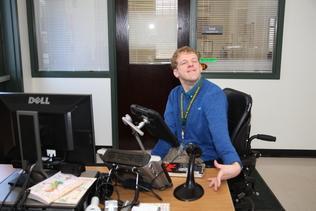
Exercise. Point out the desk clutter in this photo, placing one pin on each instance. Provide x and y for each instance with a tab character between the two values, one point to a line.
61	188
221	200
181	169
134	170
128	165
152	207
137	171
57	191
141	171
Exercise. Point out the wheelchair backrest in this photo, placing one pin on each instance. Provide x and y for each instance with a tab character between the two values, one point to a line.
239	117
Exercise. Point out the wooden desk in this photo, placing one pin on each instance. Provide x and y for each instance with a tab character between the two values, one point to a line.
211	200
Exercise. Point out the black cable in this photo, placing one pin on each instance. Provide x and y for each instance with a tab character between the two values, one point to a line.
152	191
23	190
117	179
136	193
102	187
152	181
20	205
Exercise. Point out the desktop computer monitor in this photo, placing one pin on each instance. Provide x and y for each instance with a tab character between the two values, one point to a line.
62	122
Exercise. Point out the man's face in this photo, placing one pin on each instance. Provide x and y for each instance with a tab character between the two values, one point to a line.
188	70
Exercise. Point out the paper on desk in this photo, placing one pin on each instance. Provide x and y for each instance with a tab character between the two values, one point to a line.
74	196
54	187
152	207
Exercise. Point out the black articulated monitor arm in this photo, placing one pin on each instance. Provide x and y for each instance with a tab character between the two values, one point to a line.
136	129
154	124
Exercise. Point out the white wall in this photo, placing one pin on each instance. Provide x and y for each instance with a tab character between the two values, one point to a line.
100	88
284	108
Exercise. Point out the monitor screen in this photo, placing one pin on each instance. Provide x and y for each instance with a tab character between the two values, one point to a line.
65	125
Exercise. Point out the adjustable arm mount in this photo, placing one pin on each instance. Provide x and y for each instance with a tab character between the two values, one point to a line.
136	129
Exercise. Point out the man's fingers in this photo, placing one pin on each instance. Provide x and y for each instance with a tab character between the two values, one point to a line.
218	180
213	183
219	177
211	180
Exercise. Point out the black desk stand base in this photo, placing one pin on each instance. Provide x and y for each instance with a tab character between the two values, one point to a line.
184	193
190	191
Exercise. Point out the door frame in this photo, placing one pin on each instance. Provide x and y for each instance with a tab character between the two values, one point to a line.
121	40
11	48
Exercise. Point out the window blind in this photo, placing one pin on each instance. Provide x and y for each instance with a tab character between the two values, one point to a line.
236	35
152	30
71	35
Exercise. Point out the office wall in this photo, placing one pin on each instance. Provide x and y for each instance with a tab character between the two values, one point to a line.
100	88
284	108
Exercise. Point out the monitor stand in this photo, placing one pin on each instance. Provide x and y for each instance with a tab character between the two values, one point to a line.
30	149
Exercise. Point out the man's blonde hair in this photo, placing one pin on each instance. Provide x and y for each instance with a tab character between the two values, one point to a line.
184	49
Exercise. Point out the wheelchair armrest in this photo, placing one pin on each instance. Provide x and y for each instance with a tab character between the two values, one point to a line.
266	137
262	137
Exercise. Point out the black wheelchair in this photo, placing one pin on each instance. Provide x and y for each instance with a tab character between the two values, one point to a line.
243	187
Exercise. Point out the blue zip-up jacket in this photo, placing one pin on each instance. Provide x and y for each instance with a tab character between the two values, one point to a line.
206	123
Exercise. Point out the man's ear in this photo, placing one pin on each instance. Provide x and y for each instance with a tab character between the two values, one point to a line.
203	66
176	73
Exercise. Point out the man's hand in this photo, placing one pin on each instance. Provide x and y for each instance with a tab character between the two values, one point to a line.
225	172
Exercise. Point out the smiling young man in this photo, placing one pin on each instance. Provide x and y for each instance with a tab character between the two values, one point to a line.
196	112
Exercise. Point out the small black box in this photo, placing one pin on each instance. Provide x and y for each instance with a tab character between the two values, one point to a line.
72	168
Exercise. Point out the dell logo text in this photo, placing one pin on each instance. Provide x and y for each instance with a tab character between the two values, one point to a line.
39	100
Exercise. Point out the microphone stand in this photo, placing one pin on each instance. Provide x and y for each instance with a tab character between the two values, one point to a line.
190	191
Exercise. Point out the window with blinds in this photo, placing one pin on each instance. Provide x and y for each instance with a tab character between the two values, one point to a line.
152	30
71	35
237	36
